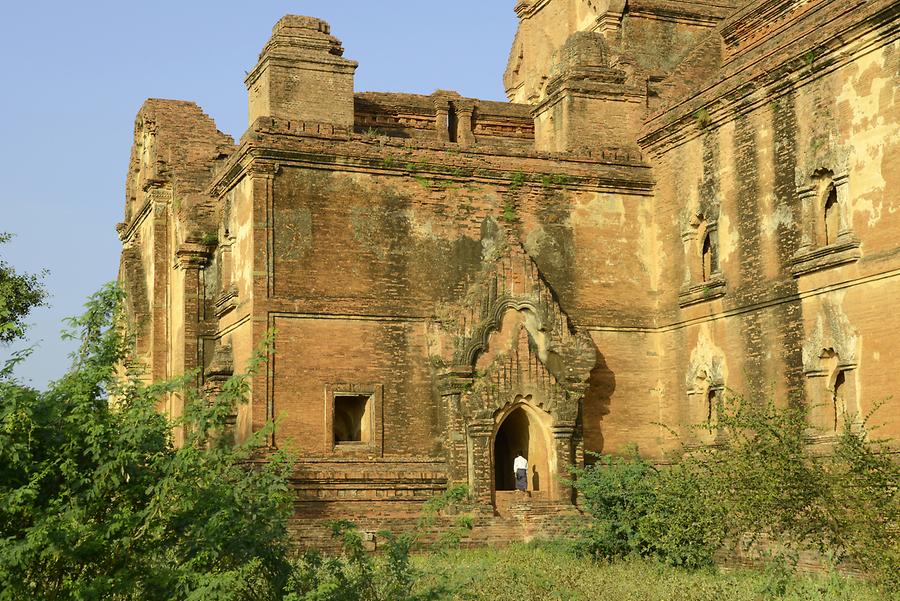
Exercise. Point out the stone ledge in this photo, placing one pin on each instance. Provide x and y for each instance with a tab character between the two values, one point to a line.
826	257
699	293
226	302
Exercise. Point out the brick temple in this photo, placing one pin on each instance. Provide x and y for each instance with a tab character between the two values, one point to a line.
680	199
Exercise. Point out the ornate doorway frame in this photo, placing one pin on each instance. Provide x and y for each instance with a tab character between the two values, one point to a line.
512	340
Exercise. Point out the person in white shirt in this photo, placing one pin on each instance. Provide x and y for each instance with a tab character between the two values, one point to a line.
520	468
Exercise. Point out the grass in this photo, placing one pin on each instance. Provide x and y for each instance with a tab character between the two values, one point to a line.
550	571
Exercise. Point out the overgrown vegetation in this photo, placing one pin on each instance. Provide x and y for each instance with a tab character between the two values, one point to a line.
639	509
96	502
517	180
453	500
764	490
210	239
509	211
359	575
702	117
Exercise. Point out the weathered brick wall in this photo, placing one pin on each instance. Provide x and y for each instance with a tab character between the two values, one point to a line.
746	163
363	258
313	353
652	36
657	35
623	405
430	254
167	215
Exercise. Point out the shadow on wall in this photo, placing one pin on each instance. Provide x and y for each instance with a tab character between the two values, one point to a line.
596	404
137	296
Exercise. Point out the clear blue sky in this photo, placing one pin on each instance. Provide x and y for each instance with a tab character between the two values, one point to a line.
75	74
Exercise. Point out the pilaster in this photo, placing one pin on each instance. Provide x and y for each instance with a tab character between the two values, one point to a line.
464	134
453	382
481	474
442	119
563	435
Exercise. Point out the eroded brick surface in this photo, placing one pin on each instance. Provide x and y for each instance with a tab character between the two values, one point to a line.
682	198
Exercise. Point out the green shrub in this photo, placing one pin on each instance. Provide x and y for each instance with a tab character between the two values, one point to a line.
509	212
684	526
841	502
453	500
765	487
357	574
617	492
641	510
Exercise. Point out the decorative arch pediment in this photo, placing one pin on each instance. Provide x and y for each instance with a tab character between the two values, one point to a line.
512	369
511	332
832	340
704	213
832	161
707	368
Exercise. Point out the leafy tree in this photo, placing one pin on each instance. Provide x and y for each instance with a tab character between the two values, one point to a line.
19	294
96	502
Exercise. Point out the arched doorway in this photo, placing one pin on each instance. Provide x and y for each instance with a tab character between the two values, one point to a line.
524	430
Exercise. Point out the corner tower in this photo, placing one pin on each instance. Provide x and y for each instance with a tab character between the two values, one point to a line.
302	75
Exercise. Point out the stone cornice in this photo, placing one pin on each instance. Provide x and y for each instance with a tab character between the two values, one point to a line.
455	379
526	9
613	168
329	64
652	321
126	229
845	250
301	42
701	292
192	255
159	194
612	88
690	13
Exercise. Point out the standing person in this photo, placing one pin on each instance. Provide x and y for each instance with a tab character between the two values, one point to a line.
520	467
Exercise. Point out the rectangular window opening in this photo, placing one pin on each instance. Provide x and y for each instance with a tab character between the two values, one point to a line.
352	418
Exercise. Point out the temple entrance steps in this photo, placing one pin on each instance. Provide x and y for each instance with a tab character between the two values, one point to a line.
538	515
389	495
521	504
520	519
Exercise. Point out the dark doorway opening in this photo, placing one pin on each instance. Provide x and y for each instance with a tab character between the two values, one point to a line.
512	437
832	217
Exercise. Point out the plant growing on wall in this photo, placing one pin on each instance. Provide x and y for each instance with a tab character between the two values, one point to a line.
702	117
